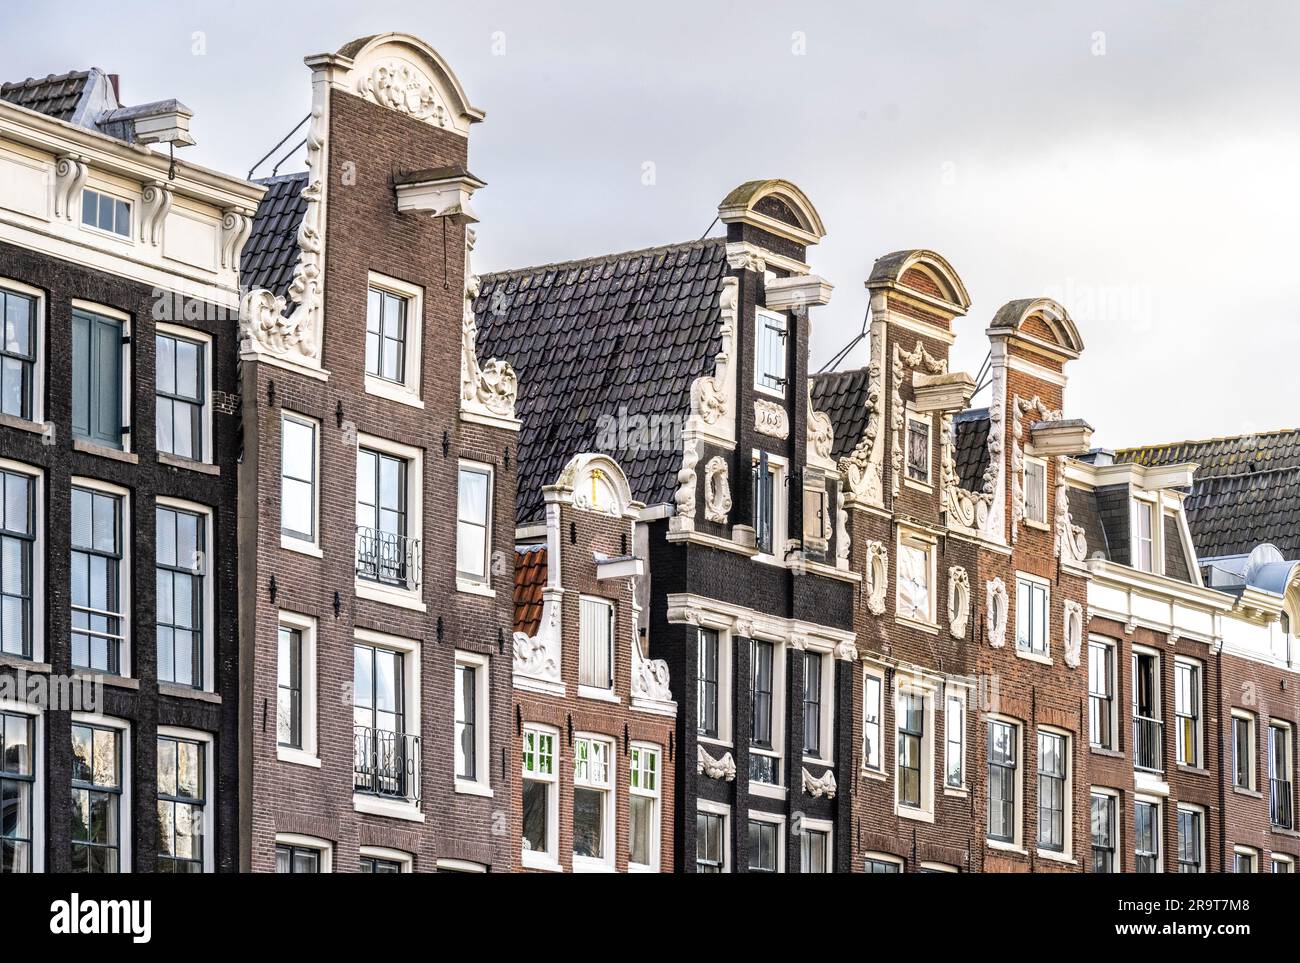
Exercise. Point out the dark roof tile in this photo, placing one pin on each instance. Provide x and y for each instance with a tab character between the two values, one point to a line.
271	253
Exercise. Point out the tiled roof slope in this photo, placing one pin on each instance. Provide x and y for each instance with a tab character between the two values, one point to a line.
530	579
272	249
971	447
622	336
842	396
56	95
1246	490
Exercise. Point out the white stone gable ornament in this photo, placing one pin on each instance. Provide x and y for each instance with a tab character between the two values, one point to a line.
402	87
958	601
998	609
823	785
877	577
1073	633
487	389
717	490
723	768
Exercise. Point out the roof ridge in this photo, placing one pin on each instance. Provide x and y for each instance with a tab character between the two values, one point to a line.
601	258
1209	441
47	79
1206	479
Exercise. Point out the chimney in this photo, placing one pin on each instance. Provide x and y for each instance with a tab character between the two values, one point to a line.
115	81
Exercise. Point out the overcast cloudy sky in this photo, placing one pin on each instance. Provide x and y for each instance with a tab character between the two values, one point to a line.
1136	160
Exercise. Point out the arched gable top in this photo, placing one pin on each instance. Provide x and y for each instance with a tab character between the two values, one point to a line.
922	275
596	483
1042	321
778	207
403	73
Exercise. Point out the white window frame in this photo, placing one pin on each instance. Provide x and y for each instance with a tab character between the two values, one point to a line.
778	750
726	671
1117	814
1016	845
126	801
1148	508
1253	730
605	693
128	367
778	467
40	775
931	867
460	866
1066	853
826	828
723	810
771	819
125	570
1044	522
1283	859
547	859
409	650
209	784
403	859
1034	583
609	824
38	364
292	542
917	541
1198	735
471	583
406	392
928	692
1200	812
953	693
209	590
1160	806
656	795
1113	683
927	421
305	625
775	316
322	846
878	675
406	598
199	337
37	476
885	858
130	198
1249	851
481	784
826	723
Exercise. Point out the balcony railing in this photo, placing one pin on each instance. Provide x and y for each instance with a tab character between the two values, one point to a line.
388	557
386	763
1148	744
1279	803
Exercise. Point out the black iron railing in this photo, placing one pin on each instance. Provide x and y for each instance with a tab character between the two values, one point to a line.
1279	803
388	557
386	763
1148	744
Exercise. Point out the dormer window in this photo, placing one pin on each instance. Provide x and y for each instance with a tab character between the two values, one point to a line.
769	353
1035	491
1144	536
105	213
918	448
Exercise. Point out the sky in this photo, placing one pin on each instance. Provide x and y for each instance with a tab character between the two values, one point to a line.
1134	160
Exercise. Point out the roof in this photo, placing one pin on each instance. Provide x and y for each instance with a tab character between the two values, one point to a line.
530	580
271	253
56	95
970	450
842	396
600	344
1246	490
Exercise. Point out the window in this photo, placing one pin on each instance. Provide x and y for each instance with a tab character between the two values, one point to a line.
812	704
1243	750
1104	832
296	690
1279	775
301	854
1101	693
1148	736
181	396
1283	864
470	706
918	448
954	728
98	368
384	552
872	711
1031	616
1245	860
298	468
98	603
596	643
764	845
386	758
876	863
592	800
17	790
764	767
18	368
1004	761
1053	790
643	808
17	562
540	801
473	524
815	849
105	213
1187	711
708	684
386	335
182	804
1146	822
711	842
915	579
911	747
1190	839
769	503
769	352
1035	491
97	791
181	576
1143	536
377	864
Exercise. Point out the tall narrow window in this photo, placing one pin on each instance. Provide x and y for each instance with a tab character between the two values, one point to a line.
1146	827
1279	775
814	851
539	776
1187	712
17	559
98	349
918	448
17	354
954	727
1243	752
762	766
384	553
182	797
1101	694
1036	491
181	396
911	741
98	619
96	799
1148	735
473	514
1003	763
769	352
592	788
1053	758
812	704
386	758
596	643
1143	538
181	576
872	705
1031	616
1189	840
298	478
707	684
1103	833
764	846
643	807
466	710
915	579
766	492
17	785
289	688
386	335
710	842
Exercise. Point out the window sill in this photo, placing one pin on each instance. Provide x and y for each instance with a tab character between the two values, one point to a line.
29	665
929	627
468	788
585	864
1106	751
117	681
22	424
594	692
715	741
919	815
962	791
475	588
1063	858
1252	793
301	547
877	774
1041	526
1191	770
767	789
105	451
1031	656
531	859
191	464
296	757
402	598
185	692
402	394
769	392
917	485
383	807
998	846
641	868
